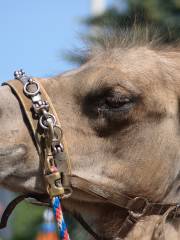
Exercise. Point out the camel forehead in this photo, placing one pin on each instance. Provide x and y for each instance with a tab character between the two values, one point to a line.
138	56
132	67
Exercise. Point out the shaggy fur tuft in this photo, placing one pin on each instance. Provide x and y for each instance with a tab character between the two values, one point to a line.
125	38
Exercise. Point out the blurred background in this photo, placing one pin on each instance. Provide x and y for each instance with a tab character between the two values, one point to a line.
41	36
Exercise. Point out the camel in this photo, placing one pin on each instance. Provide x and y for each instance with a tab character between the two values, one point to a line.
120	115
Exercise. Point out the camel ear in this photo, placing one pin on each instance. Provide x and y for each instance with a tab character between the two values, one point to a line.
174	192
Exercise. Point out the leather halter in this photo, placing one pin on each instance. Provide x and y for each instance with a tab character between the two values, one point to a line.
136	207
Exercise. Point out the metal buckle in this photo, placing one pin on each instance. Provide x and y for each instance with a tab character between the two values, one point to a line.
43	120
138	211
56	145
39	105
54	187
67	192
33	93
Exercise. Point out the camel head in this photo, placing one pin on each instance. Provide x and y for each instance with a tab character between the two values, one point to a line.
120	117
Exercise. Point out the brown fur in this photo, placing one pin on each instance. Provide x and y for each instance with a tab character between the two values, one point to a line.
135	150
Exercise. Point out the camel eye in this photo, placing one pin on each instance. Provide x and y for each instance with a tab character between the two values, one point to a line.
116	103
108	103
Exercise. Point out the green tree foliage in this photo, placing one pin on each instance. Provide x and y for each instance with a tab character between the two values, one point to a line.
161	14
25	221
161	17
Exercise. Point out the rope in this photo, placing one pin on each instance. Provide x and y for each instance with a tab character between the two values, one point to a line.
57	210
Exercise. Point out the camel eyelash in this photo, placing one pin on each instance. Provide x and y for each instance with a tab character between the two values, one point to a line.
116	103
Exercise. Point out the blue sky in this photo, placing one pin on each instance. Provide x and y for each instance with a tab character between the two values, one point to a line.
35	33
